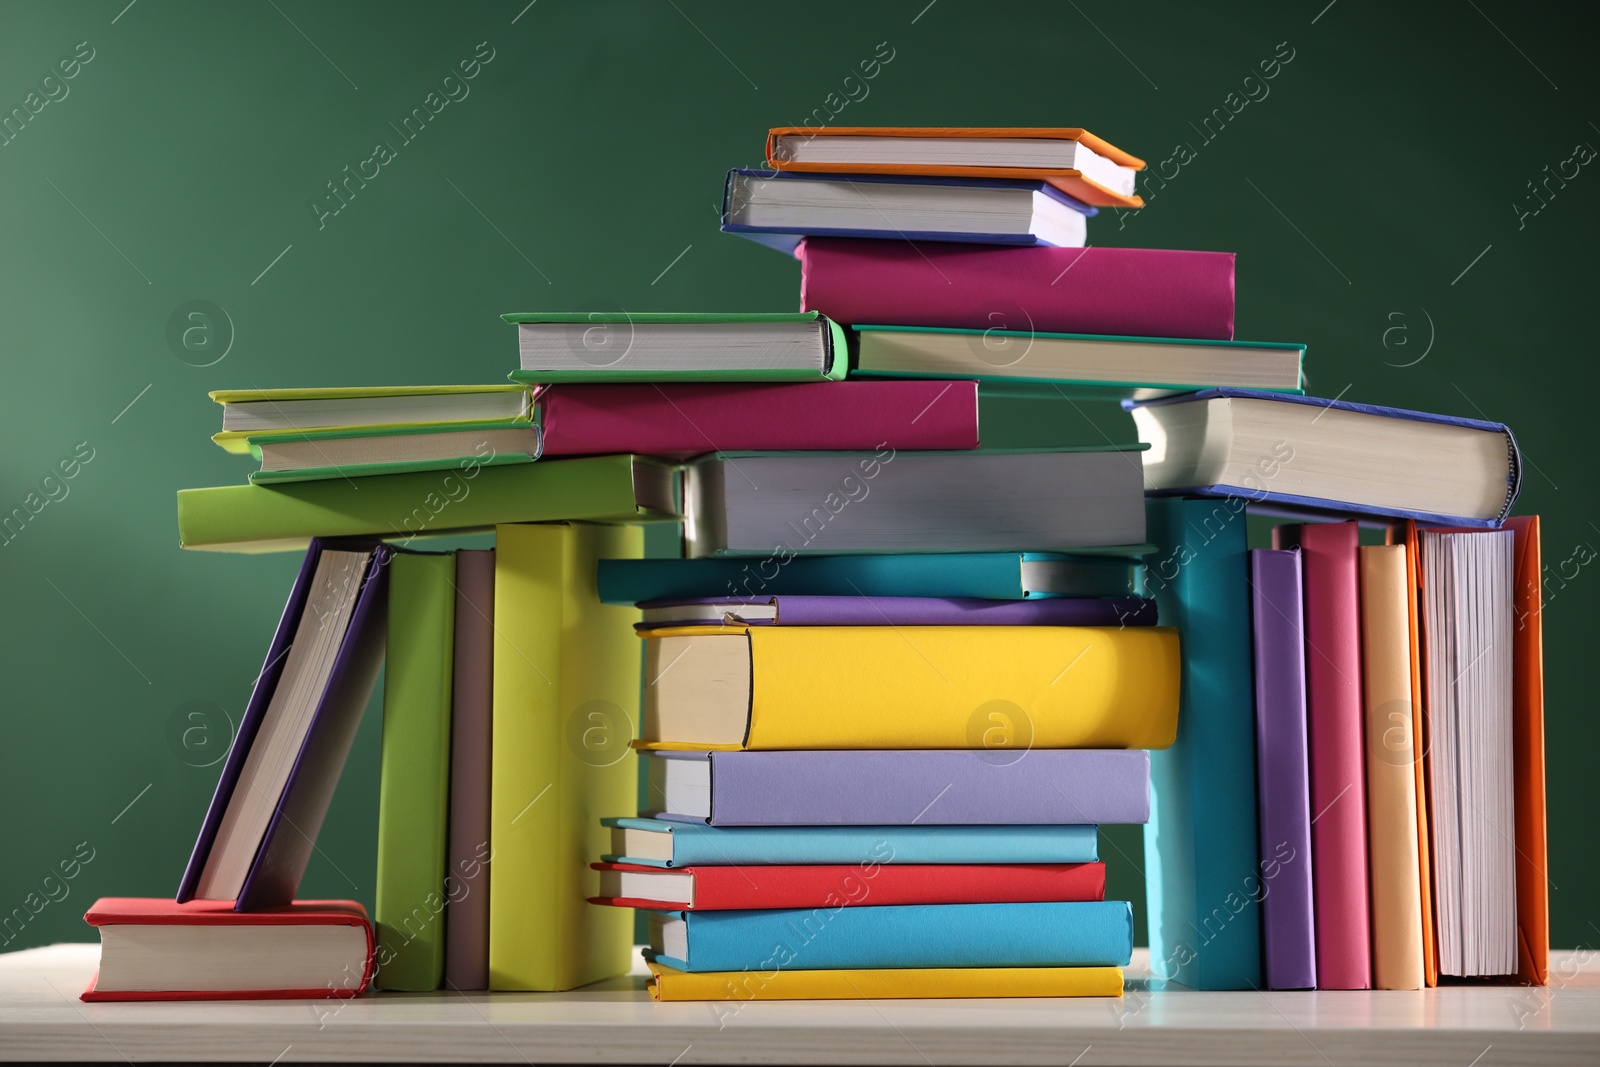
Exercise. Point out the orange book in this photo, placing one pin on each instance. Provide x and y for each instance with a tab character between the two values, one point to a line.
782	153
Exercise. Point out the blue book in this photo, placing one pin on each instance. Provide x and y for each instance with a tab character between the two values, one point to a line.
1095	933
979	575
779	208
1205	886
664	843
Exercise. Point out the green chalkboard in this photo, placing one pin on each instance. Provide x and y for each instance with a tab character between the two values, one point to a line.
198	195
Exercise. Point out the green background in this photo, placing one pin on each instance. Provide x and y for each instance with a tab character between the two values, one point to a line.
584	170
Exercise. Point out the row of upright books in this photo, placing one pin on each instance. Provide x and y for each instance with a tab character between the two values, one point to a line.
896	680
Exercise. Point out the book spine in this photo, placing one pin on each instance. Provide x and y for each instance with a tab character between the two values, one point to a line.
894	983
467	879
873	884
887	844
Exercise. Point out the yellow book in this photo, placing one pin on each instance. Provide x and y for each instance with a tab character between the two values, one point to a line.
894	687
566	696
911	983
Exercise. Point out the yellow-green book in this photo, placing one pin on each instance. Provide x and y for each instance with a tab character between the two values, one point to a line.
566	701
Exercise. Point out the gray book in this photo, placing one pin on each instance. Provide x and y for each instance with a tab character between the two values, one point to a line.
466	963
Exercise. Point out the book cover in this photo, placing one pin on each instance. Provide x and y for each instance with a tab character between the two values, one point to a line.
466	961
414	776
1336	742
1202	861
1288	936
894	983
1120	292
1005	781
566	697
913	611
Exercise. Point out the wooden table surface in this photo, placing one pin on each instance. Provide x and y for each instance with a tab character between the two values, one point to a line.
41	1018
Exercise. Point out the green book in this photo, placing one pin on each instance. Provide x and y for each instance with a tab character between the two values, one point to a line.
414	782
320	455
677	346
259	518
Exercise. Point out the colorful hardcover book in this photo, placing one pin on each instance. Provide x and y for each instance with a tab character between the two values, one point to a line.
205	950
894	983
897	611
1070	934
566	693
250	413
258	518
975	575
665	843
1202	863
295	733
686	419
414	778
364	452
1140	368
1005	781
1336	736
1118	292
466	961
1288	933
1302	455
1085	167
777	687
624	346
635	885
779	209
1394	869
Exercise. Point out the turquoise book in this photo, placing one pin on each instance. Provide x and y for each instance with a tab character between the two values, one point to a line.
1201	861
1096	933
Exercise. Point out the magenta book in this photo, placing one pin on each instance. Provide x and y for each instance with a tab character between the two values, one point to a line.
1133	292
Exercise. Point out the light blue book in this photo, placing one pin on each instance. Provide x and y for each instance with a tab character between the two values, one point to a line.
1201	860
1082	934
662	843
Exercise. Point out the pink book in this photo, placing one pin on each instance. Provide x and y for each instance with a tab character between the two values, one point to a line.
1133	292
1335	736
682	419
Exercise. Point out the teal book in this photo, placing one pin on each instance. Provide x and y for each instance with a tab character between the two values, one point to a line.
1097	933
670	843
1201	860
414	777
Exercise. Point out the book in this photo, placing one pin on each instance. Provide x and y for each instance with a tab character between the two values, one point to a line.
683	419
1141	368
1004	782
956	687
893	983
834	502
414	772
1336	740
623	346
1062	934
1394	870
466	959
1301	454
296	730
250	413
1288	932
258	518
345	454
204	950
969	575
1075	161
897	611
1118	292
633	885
665	843
1203	868
779	209
566	696
1468	620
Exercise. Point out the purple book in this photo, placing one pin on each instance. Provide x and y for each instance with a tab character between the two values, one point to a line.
899	611
928	788
1284	797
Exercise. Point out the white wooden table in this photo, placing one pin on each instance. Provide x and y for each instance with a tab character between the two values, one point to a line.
41	1018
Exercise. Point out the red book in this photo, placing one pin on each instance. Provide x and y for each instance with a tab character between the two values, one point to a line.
679	420
1131	292
204	950
630	885
1335	736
